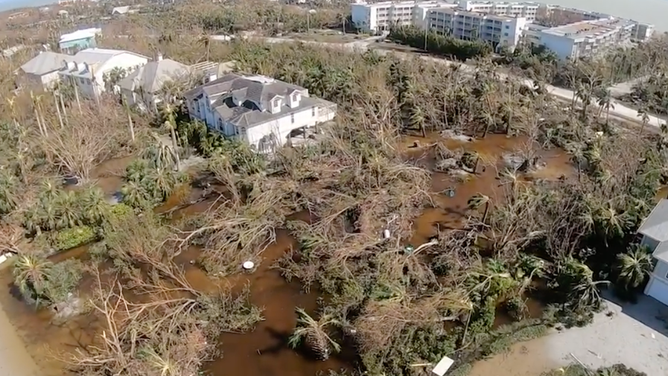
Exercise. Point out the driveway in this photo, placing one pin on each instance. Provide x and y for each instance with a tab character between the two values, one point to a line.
14	358
634	334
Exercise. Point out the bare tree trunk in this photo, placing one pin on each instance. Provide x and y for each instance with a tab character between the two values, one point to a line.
607	114
60	115
39	122
131	125
41	114
76	95
175	147
62	105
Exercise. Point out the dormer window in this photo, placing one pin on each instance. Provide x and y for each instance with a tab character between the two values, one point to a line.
275	105
293	99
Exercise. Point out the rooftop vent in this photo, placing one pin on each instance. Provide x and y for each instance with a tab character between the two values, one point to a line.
260	79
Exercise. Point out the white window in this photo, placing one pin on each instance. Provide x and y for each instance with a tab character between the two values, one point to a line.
292	118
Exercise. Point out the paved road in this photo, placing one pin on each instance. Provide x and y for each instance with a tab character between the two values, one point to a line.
624	88
620	111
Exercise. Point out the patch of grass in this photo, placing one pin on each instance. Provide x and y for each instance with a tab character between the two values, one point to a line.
74	237
506	337
462	370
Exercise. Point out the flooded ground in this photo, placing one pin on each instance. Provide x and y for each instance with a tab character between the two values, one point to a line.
15	359
523	359
263	352
449	211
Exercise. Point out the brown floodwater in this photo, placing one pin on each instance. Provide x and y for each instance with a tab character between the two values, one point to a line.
529	358
108	175
264	351
450	211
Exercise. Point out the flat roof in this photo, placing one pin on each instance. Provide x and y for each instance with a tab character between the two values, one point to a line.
496	17
80	34
502	3
585	29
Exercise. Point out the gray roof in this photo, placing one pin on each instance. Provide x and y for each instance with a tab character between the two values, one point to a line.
209	67
45	62
254	93
153	75
655	225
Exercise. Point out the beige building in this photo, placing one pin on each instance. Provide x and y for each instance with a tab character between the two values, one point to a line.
500	31
586	38
379	17
526	10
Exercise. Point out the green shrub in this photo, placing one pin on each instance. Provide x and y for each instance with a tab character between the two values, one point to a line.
99	251
441	44
74	237
120	210
62	279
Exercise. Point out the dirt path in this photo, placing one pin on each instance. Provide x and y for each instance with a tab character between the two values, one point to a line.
14	358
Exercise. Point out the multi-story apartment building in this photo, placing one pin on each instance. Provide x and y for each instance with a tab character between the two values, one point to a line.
500	31
570	33
379	17
526	10
587	38
642	32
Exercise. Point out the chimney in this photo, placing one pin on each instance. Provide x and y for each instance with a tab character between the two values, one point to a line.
159	57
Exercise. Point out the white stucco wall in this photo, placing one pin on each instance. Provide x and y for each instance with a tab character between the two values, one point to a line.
649	242
363	16
89	87
657	287
282	127
49	79
562	46
511	32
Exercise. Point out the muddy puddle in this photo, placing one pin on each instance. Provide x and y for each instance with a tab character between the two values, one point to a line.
264	352
529	358
449	211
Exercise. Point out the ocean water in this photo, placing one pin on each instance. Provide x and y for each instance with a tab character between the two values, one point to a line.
649	11
13	4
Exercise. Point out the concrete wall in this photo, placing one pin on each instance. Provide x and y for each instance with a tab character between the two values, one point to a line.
281	127
649	242
562	46
511	32
73	46
363	16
